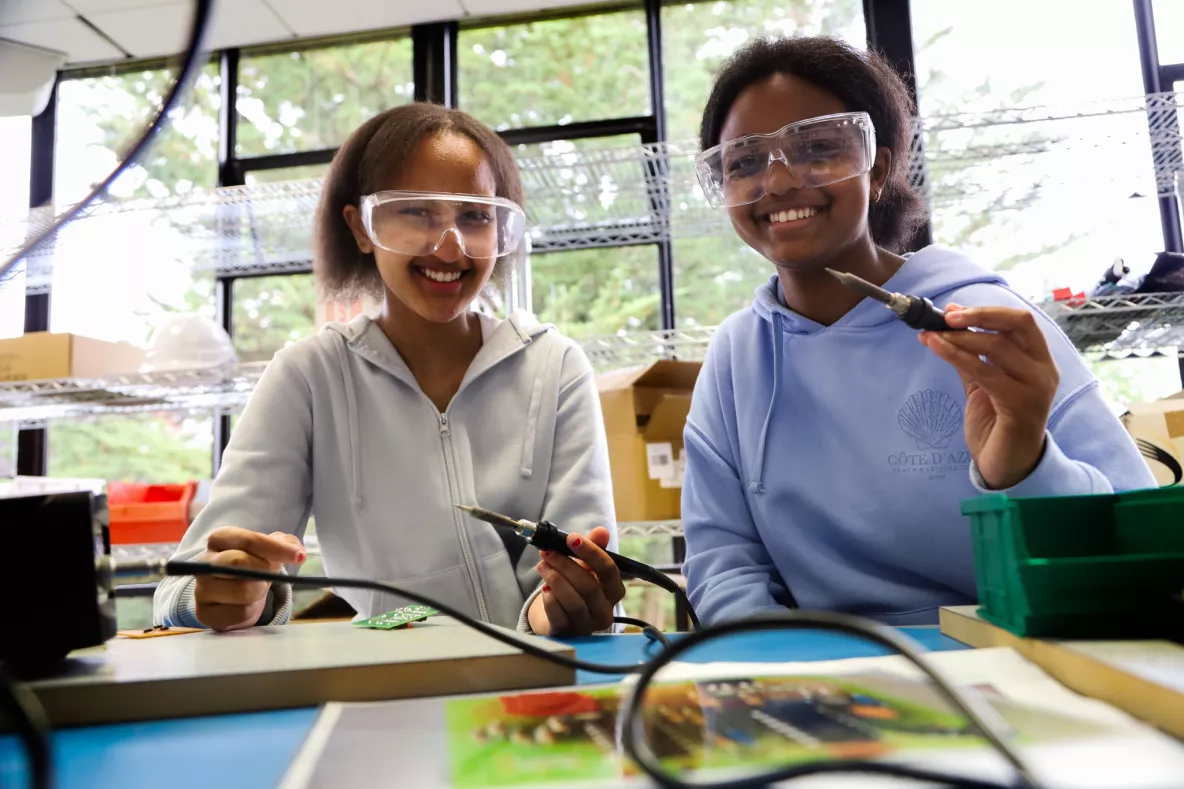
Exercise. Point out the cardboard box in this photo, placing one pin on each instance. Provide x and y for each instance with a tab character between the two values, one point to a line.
645	410
1158	428
40	356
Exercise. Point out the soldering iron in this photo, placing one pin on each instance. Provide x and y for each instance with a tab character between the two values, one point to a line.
916	312
545	536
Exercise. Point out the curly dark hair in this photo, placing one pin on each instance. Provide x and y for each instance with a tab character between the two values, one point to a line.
864	82
368	161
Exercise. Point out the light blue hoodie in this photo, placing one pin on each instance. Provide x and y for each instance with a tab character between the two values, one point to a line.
826	465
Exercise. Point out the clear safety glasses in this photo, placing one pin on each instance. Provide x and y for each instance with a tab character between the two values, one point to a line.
818	151
420	223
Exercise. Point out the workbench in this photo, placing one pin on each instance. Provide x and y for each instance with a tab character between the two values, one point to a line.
252	751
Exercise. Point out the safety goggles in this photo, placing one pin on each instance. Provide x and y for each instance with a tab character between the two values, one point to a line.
420	223
818	151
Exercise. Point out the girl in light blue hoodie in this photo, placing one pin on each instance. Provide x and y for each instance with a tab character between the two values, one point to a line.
829	446
379	427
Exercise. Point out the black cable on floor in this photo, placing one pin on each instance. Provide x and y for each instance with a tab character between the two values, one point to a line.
636	748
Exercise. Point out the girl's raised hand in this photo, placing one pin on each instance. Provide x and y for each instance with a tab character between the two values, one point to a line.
1008	396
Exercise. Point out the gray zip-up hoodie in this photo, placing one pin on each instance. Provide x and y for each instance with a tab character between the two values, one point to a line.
338	428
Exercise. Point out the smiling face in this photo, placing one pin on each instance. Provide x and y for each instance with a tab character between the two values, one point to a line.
799	228
438	287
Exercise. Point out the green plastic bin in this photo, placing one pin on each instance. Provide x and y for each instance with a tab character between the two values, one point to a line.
1080	566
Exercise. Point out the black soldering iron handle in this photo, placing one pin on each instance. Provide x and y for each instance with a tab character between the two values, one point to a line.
549	537
923	316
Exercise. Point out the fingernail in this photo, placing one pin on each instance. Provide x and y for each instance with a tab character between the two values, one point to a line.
546	553
546	587
575	541
300	557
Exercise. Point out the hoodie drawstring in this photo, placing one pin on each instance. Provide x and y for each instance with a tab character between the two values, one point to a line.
757	483
351	410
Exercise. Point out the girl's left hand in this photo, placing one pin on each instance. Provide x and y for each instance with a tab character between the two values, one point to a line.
578	595
1008	399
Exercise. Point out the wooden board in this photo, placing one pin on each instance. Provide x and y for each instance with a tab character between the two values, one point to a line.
284	666
1145	678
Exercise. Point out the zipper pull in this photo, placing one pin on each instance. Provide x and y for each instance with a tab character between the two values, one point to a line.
443	425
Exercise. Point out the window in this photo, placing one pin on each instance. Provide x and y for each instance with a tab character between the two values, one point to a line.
714	276
642	600
112	289
588	292
1136	380
15	144
95	266
555	72
99	117
311	99
579	190
1033	199
697	37
1023	197
1169	30
271	313
286	174
159	448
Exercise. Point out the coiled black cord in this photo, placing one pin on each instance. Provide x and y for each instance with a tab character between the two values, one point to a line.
190	65
634	741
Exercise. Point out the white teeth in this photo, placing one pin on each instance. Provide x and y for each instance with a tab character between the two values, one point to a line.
793	214
441	276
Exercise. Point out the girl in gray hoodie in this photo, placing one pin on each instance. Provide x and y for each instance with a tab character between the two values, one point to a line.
378	427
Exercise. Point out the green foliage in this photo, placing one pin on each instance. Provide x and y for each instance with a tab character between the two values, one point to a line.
272	312
139	448
559	71
298	101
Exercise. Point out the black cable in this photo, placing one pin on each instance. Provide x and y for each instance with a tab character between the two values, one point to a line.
637	746
633	733
24	711
320	582
191	63
649	631
681	596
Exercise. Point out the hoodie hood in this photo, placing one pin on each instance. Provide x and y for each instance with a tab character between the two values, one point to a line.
933	272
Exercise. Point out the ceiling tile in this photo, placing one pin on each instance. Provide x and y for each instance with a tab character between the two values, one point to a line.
324	17
86	7
79	42
245	22
21	12
163	29
151	31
